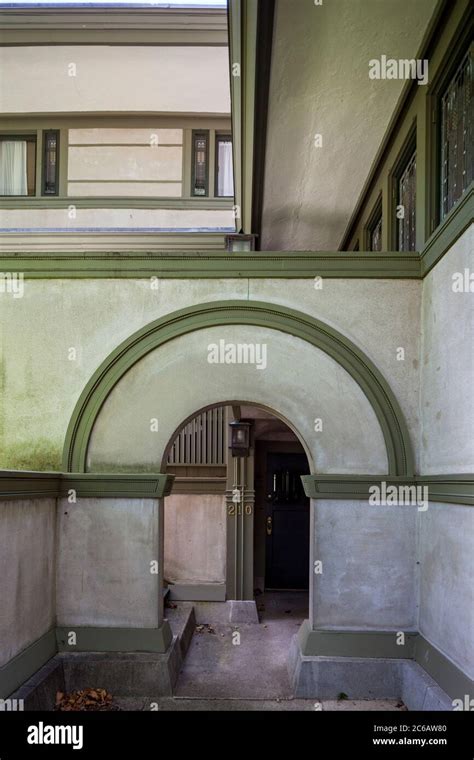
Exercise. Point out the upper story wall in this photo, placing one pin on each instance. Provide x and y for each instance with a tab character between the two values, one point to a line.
91	78
416	130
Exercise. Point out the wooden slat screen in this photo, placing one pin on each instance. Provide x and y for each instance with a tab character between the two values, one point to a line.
202	440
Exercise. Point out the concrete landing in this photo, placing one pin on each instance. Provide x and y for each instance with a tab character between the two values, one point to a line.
176	704
244	661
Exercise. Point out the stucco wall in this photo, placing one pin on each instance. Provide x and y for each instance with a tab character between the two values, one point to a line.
320	85
299	382
40	383
27	570
105	547
368	553
447	374
157	79
141	163
123	218
446	555
195	538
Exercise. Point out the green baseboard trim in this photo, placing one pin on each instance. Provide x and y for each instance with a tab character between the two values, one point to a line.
458	220
18	670
323	643
199	263
115	639
381	644
197	592
451	679
452	489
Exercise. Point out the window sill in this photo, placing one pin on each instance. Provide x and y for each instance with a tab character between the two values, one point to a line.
446	234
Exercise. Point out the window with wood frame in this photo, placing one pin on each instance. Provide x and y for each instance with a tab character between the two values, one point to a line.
17	165
200	163
224	180
404	196
50	179
456	135
374	228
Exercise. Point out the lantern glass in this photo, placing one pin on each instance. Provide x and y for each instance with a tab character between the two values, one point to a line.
239	242
239	438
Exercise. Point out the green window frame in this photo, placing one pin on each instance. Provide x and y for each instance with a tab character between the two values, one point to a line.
373	230
456	158
50	163
403	178
440	201
200	163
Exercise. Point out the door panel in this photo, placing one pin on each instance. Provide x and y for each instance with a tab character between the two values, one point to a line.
287	522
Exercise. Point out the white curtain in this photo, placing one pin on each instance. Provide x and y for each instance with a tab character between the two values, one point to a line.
13	179
225	173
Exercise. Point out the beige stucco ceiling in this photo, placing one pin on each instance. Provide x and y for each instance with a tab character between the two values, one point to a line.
320	85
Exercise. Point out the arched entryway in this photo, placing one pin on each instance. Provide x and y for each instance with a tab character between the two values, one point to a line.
160	376
237	523
256	314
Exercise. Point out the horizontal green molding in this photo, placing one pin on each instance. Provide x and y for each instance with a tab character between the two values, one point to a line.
19	669
197	592
23	484
37	485
323	643
42	202
99	639
452	488
457	221
210	264
454	682
240	312
17	484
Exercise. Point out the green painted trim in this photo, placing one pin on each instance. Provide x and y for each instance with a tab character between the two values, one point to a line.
191	485
19	484
118	486
454	488
195	203
37	485
457	221
315	332
115	639
212	264
19	669
242	15
451	679
382	644
197	592
321	643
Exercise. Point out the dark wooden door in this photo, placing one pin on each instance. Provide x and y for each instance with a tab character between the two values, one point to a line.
286	522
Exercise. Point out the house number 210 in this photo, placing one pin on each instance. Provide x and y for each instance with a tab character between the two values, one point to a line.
232	509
